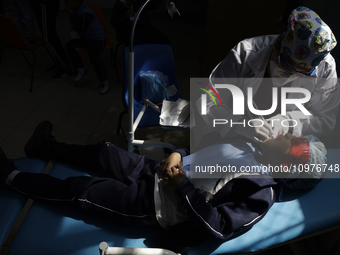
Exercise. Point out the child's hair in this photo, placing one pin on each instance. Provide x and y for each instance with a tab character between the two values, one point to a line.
300	179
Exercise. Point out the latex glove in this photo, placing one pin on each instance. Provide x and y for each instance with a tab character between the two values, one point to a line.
276	124
259	133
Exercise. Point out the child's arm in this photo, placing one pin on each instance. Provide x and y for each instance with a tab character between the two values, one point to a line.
81	23
174	159
172	169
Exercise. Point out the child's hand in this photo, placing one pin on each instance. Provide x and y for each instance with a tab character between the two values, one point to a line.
173	178
174	160
172	171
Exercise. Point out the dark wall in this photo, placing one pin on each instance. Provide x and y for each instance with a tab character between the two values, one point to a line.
228	22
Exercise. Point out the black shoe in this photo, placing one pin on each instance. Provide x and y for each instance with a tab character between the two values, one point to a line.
42	133
6	167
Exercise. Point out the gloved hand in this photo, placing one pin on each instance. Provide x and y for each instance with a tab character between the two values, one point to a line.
259	133
276	124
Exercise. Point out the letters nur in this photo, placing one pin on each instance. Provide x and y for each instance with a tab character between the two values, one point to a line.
238	100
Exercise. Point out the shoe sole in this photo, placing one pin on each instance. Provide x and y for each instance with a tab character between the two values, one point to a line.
29	147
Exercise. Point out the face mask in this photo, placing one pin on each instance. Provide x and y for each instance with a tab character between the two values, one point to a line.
279	76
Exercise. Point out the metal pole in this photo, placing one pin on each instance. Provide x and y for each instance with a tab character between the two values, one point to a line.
131	76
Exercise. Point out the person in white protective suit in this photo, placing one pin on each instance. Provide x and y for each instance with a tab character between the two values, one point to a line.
301	58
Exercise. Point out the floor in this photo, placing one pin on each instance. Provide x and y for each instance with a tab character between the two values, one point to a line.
80	114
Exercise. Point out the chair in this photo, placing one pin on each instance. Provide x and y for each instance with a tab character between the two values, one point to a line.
12	37
148	57
98	11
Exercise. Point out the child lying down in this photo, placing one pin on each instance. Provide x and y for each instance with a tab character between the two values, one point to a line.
138	191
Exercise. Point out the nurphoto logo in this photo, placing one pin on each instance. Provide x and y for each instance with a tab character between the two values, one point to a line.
238	99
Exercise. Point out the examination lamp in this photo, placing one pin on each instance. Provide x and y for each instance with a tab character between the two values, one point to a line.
131	61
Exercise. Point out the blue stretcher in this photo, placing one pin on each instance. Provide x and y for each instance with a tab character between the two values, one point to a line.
54	230
11	203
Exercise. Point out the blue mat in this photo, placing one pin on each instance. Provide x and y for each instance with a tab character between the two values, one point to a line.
11	203
55	230
51	230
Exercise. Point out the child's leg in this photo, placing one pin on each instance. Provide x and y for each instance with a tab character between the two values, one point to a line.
26	19
104	197
129	199
46	13
74	56
95	51
106	158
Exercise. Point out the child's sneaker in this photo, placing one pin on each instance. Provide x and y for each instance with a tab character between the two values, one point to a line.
82	72
104	87
63	75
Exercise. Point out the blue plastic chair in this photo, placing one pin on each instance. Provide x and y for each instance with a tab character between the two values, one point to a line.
148	57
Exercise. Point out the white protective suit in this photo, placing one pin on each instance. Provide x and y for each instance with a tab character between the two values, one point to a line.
249	59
